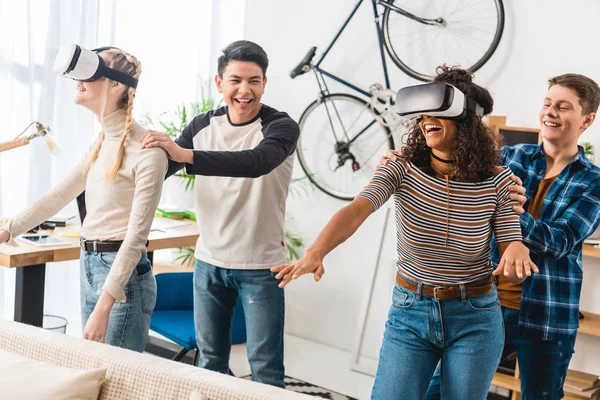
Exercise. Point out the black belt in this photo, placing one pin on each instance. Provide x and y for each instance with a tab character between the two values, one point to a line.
102	246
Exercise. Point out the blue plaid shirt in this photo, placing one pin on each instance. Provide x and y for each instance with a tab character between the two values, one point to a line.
570	214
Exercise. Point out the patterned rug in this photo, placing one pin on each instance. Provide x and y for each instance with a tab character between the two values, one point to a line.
296	385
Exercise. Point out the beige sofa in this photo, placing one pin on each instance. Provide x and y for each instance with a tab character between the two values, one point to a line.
132	375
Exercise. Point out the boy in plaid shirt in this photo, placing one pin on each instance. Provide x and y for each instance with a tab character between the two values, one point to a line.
562	210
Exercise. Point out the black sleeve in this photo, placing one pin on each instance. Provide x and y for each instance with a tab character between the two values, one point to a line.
185	140
280	137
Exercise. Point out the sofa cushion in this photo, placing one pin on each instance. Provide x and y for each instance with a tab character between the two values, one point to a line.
24	378
197	396
130	375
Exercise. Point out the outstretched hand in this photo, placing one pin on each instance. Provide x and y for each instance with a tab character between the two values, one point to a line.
308	263
515	263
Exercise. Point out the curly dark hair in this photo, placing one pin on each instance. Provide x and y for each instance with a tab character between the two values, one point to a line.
476	147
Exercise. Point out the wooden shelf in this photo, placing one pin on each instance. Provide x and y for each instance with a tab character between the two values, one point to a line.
591	251
590	324
507	382
511	383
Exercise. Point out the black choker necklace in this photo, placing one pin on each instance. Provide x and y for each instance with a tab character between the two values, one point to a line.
442	160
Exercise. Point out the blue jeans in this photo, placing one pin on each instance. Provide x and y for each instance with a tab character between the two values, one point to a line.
465	335
542	363
129	321
215	294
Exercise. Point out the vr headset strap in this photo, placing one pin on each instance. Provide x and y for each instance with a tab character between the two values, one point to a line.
113	73
473	106
120	77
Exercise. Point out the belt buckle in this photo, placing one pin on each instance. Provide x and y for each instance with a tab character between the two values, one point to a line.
95	246
435	292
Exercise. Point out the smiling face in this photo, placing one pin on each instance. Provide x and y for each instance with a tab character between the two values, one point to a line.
242	86
90	94
561	118
440	135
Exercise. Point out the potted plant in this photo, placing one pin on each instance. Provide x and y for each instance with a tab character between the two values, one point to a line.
588	149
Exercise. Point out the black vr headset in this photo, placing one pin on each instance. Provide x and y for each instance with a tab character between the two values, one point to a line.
437	99
81	64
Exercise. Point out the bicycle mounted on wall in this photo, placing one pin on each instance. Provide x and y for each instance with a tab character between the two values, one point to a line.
342	135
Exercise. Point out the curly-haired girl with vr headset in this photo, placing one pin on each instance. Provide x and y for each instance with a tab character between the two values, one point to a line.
450	197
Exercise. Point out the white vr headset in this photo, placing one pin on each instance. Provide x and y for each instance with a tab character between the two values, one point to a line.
437	99
81	64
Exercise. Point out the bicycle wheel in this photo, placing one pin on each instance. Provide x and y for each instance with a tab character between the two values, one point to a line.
468	34
340	144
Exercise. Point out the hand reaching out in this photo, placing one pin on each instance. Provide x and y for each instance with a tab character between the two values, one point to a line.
308	263
515	263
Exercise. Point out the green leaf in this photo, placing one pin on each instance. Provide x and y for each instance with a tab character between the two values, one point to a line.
293	244
187	255
588	147
301	187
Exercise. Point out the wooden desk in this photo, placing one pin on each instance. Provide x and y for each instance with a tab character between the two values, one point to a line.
30	261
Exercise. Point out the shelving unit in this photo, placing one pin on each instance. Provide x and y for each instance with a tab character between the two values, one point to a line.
591	251
590	324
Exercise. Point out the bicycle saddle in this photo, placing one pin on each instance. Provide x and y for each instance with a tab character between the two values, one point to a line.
305	64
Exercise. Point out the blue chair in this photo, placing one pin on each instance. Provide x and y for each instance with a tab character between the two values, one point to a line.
173	315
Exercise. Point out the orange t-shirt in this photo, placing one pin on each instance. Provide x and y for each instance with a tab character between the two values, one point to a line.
509	293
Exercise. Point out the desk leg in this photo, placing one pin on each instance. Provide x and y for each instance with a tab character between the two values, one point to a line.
151	257
29	294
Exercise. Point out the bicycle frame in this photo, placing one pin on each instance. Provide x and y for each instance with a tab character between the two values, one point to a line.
324	90
318	69
386	4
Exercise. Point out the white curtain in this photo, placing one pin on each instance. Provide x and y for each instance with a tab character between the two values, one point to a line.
177	44
30	34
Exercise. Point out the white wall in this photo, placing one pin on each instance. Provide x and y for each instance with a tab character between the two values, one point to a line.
541	39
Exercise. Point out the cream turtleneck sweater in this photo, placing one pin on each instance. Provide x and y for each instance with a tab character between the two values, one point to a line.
122	209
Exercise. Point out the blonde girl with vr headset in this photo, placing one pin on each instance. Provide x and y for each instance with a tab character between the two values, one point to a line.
122	187
450	197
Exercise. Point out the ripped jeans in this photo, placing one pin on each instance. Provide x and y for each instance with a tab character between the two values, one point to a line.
543	363
215	294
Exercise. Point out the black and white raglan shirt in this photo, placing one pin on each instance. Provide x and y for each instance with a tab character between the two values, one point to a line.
243	173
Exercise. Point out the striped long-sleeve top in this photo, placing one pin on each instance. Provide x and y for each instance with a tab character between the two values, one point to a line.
444	227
